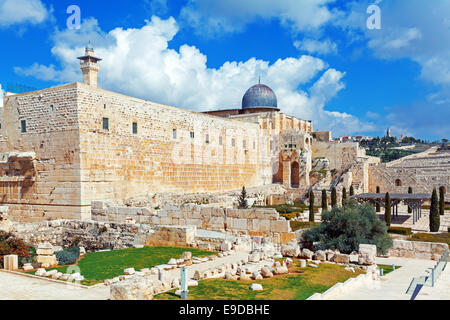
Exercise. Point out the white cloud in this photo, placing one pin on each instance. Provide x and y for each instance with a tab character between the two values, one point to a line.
22	11
140	63
215	17
315	46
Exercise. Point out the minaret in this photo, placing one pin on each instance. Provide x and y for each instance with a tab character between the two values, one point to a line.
90	67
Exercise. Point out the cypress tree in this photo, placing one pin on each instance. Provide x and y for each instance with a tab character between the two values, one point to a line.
434	212
352	191
409	191
324	200
242	201
377	206
442	200
333	197
344	196
311	206
387	211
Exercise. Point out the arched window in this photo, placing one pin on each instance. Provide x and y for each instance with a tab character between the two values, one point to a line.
398	183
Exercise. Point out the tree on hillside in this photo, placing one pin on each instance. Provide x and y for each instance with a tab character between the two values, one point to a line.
242	201
324	200
434	212
442	200
387	210
410	191
344	196
345	228
333	197
311	206
377	206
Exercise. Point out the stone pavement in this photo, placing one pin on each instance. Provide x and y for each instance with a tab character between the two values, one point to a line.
393	285
19	287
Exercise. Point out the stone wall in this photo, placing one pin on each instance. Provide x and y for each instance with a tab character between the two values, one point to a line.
222	154
256	221
40	168
172	236
340	155
75	160
417	249
92	235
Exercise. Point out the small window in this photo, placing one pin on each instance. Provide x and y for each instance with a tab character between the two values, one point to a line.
174	133
134	127
104	106
105	124
220	140
192	135
207	138
233	142
52	108
23	126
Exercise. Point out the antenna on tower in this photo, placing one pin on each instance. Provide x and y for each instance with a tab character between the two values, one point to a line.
259	79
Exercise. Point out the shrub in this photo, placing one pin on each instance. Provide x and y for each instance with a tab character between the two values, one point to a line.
10	244
400	230
297	225
289	216
434	213
283	208
68	256
345	228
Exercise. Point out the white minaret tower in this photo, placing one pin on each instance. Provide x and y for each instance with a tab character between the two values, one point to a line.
90	67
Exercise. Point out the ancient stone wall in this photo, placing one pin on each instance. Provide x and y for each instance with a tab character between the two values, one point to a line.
90	144
173	149
422	172
340	155
417	249
92	235
40	167
256	221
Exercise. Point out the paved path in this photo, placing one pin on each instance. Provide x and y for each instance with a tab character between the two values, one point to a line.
18	287
393	285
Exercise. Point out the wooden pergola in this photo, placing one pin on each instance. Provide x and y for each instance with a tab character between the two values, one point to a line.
413	201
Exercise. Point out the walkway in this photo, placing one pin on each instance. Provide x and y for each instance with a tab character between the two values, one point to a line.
393	285
19	287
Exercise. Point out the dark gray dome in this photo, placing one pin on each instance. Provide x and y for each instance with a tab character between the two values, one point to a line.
259	96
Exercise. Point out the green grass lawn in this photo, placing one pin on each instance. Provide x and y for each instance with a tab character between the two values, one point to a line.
387	268
294	286
430	237
296	225
99	266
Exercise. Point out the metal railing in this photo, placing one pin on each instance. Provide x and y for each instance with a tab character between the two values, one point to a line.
432	278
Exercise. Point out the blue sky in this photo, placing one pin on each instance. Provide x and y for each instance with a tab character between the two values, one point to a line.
319	56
